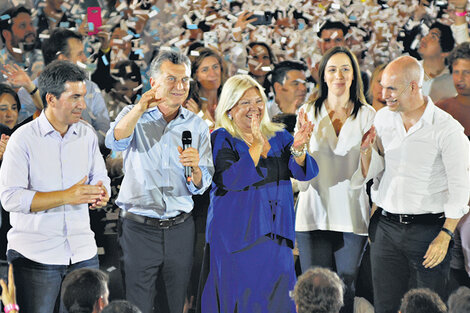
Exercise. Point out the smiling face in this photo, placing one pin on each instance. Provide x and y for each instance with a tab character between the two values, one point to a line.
173	83
66	109
461	76
339	74
250	104
22	32
395	91
8	110
209	73
259	57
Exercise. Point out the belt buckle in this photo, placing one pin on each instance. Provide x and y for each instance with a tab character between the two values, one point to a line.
402	219
165	224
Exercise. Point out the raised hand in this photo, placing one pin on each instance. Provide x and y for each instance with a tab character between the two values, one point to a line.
150	99
9	291
17	76
304	132
242	21
191	105
368	139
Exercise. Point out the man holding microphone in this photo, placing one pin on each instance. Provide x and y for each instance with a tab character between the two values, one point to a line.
157	233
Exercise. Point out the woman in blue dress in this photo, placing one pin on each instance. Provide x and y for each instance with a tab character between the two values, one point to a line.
250	224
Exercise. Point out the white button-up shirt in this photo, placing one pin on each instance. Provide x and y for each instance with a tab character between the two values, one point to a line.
426	167
329	201
39	159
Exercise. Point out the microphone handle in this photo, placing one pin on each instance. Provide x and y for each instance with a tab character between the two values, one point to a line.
187	169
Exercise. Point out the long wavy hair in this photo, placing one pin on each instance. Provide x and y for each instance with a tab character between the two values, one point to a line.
356	91
234	88
196	62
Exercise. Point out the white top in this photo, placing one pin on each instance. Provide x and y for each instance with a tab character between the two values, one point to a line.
38	158
328	201
426	168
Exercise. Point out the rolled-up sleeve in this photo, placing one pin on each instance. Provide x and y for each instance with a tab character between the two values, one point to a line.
14	173
110	140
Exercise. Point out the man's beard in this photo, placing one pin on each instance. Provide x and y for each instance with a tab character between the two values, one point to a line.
23	45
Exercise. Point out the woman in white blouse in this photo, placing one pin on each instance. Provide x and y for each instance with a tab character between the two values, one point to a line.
333	208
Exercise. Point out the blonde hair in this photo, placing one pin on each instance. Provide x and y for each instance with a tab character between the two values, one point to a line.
234	88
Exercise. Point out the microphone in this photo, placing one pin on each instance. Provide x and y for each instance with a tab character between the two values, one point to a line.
187	139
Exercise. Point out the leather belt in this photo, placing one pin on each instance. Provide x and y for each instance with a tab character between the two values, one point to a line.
156	222
413	218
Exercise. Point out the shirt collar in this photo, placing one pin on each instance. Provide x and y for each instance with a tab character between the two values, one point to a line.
156	113
428	115
46	128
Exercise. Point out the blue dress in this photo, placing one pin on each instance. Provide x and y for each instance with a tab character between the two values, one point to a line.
250	226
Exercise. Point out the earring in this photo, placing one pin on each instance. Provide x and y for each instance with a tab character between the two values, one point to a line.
229	116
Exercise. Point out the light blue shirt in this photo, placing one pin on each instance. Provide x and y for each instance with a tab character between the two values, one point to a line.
96	112
39	159
154	183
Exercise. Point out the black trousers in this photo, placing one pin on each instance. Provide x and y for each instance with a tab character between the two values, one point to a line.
149	252
397	252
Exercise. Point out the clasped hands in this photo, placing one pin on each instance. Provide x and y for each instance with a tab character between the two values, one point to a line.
95	195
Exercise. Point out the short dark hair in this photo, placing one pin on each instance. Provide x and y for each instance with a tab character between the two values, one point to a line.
281	69
57	43
461	51
4	88
319	290
8	23
422	300
173	56
52	80
333	25
356	91
120	306
459	300
446	40
82	288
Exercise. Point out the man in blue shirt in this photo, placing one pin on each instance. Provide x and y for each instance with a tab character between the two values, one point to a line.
157	233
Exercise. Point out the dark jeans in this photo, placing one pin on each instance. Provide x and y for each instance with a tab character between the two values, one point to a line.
148	252
38	285
397	252
341	252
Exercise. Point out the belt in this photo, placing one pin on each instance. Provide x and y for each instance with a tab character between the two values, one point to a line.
413	218
156	222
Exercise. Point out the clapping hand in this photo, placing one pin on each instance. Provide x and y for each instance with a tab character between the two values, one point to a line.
368	139
304	132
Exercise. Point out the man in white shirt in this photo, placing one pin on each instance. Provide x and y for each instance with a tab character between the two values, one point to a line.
52	170
423	191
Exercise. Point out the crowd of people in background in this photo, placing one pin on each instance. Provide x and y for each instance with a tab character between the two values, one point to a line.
260	156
